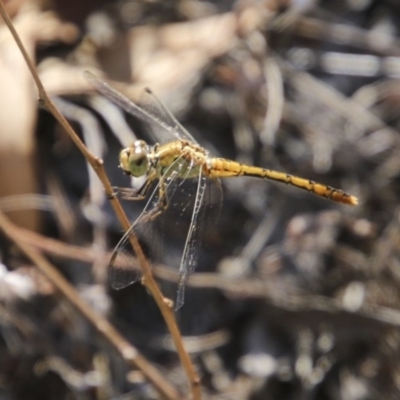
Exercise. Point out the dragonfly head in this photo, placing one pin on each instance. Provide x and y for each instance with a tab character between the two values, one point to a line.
133	159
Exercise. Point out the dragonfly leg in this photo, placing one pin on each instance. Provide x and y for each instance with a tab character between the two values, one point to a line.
113	195
125	193
162	203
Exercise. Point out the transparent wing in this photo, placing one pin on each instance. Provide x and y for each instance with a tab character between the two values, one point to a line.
189	256
123	268
152	112
154	106
205	213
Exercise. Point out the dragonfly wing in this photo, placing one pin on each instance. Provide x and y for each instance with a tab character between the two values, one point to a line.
154	106
123	268
205	214
153	112
189	256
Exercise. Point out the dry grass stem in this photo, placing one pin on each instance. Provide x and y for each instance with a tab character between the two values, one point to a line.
164	304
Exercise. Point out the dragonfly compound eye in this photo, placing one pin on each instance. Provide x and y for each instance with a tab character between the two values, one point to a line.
124	160
134	159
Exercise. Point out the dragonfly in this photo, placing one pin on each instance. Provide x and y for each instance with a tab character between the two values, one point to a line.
170	163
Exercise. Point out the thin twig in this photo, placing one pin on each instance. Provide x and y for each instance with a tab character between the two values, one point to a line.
130	354
248	288
165	305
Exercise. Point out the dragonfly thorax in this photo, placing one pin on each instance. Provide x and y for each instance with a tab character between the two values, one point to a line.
133	160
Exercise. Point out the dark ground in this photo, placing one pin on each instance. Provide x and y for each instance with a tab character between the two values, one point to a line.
294	297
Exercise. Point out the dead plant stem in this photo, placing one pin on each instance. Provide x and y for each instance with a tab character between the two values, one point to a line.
164	304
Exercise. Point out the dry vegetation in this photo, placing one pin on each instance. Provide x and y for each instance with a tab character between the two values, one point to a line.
294	297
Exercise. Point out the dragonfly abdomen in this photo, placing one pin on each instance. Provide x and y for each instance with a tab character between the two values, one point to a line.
222	168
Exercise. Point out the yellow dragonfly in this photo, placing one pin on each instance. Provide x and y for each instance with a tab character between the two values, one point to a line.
171	163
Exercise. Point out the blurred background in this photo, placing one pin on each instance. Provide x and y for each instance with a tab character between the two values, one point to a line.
294	297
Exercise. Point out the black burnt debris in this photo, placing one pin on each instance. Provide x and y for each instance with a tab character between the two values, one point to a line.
293	296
